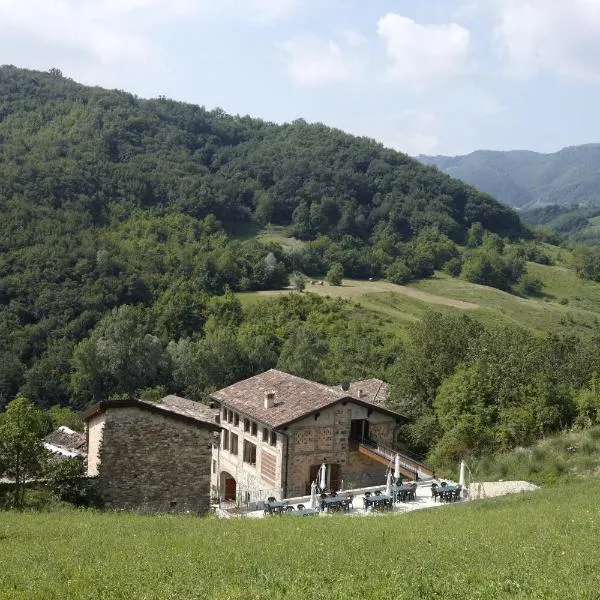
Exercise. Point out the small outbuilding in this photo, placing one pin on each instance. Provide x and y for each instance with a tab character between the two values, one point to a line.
152	457
65	443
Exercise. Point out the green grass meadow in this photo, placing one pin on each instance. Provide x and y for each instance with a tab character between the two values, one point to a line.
569	304
534	545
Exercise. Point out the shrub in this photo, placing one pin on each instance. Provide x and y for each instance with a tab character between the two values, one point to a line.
529	285
68	483
299	282
453	267
335	274
398	273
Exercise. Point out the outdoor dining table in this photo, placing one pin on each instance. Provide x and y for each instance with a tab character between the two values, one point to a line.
377	501
447	492
401	491
274	507
335	502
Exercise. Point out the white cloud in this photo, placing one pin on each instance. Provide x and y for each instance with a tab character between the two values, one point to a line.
313	61
561	36
423	55
99	30
93	36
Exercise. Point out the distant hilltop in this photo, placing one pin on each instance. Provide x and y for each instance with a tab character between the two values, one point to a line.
525	179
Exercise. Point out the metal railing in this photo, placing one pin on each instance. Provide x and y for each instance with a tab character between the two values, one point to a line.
406	462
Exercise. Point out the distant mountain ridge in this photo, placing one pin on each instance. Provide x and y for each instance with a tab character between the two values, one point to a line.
526	179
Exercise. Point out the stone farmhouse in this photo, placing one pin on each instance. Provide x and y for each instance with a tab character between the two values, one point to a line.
278	429
152	457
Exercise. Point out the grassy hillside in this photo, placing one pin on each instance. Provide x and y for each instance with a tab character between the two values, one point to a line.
568	457
537	545
569	304
528	179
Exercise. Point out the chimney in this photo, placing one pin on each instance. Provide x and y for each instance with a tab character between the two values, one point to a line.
361	393
269	398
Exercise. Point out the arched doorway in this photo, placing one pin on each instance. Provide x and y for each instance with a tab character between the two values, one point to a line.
228	487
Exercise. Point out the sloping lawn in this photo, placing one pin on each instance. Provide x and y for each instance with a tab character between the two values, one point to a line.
537	545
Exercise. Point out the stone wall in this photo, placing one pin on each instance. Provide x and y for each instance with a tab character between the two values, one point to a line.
317	438
491	489
326	439
382	433
151	462
253	482
362	471
94	428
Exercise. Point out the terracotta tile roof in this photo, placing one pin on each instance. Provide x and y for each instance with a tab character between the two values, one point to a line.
295	397
374	391
67	439
189	407
197	413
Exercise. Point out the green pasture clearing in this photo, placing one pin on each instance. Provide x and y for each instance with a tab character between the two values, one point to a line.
279	234
395	306
539	314
536	545
569	304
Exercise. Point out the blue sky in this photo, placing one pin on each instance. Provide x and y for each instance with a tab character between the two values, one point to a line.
433	76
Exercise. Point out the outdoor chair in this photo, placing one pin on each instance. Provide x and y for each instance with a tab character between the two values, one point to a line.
271	499
333	495
443	484
289	509
301	507
378	493
367	494
434	491
323	496
412	494
350	500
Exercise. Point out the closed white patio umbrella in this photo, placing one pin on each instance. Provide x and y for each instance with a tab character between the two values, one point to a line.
397	467
388	484
323	477
461	477
313	495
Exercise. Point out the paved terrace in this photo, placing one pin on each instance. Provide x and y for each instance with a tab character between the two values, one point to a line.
423	499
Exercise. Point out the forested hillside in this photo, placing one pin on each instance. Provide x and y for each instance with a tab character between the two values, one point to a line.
527	179
110	200
576	223
130	228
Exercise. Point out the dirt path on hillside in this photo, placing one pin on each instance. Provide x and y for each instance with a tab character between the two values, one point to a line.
353	290
434	299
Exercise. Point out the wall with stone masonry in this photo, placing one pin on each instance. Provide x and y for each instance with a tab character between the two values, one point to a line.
320	437
154	463
326	439
259	481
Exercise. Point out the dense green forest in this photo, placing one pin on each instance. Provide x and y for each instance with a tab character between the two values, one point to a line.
110	200
129	226
526	179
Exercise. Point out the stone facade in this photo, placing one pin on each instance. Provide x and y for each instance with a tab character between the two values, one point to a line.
150	461
325	437
253	482
301	447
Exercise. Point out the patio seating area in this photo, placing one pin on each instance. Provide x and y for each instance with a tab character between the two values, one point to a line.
396	498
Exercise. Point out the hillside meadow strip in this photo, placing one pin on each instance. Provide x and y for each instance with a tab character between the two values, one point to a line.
536	545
